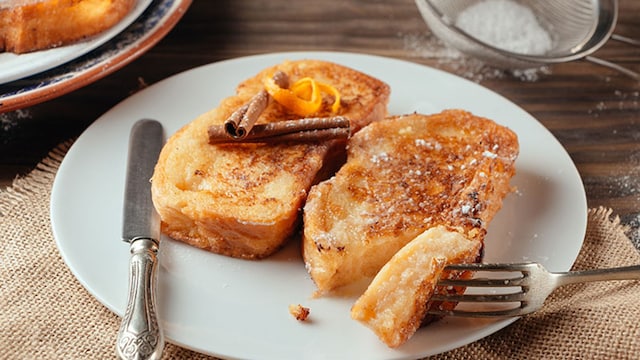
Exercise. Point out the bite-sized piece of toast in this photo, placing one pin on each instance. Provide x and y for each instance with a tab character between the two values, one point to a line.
29	25
403	176
394	304
244	199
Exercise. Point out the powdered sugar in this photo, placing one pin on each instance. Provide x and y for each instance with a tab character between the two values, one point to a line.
622	100
380	157
429	47
507	25
502	23
489	154
11	119
428	145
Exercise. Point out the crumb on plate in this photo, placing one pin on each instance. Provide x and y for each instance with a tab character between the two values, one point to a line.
299	312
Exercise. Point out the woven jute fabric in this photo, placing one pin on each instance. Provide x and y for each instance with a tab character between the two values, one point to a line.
46	314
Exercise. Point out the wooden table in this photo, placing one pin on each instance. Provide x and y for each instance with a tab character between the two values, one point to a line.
593	111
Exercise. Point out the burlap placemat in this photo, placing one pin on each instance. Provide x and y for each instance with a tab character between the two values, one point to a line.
46	314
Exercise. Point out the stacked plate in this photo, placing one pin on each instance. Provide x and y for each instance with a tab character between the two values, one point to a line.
28	79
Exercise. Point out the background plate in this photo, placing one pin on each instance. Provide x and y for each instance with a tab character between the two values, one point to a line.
239	309
16	66
150	27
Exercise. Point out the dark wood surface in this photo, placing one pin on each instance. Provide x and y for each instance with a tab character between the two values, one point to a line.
593	111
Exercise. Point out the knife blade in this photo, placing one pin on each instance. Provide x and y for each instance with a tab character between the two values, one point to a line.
140	335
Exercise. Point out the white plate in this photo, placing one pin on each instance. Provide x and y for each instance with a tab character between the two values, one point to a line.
17	66
239	309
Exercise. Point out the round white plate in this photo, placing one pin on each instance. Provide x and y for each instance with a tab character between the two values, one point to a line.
239	309
17	66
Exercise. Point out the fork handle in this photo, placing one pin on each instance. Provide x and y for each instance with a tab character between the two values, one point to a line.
619	273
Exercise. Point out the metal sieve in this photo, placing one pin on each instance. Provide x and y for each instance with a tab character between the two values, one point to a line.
578	28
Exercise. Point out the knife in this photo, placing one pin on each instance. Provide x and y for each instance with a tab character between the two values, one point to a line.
140	335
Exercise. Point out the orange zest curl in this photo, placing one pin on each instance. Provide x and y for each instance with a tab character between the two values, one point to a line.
304	97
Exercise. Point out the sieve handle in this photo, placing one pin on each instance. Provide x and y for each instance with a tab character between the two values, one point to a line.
625	40
613	66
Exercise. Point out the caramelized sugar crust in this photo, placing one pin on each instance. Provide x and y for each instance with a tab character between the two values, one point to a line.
403	176
244	200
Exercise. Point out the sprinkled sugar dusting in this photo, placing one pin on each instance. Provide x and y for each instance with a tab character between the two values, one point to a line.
424	182
489	154
380	157
429	144
11	119
427	46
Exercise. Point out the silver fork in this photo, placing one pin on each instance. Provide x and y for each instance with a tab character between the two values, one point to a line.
517	289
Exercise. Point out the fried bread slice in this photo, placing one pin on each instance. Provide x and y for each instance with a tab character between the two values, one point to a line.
29	25
405	175
393	305
244	199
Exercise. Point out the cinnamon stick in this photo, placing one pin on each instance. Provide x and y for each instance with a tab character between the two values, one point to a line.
242	120
239	124
303	130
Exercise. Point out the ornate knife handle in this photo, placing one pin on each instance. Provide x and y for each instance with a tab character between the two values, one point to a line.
140	336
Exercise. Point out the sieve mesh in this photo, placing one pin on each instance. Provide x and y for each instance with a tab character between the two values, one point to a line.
578	28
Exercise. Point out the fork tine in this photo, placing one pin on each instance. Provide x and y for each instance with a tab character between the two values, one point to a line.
484	298
507	267
485	282
535	283
510	312
520	279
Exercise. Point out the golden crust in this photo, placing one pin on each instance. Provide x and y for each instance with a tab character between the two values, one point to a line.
244	200
27	26
403	176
